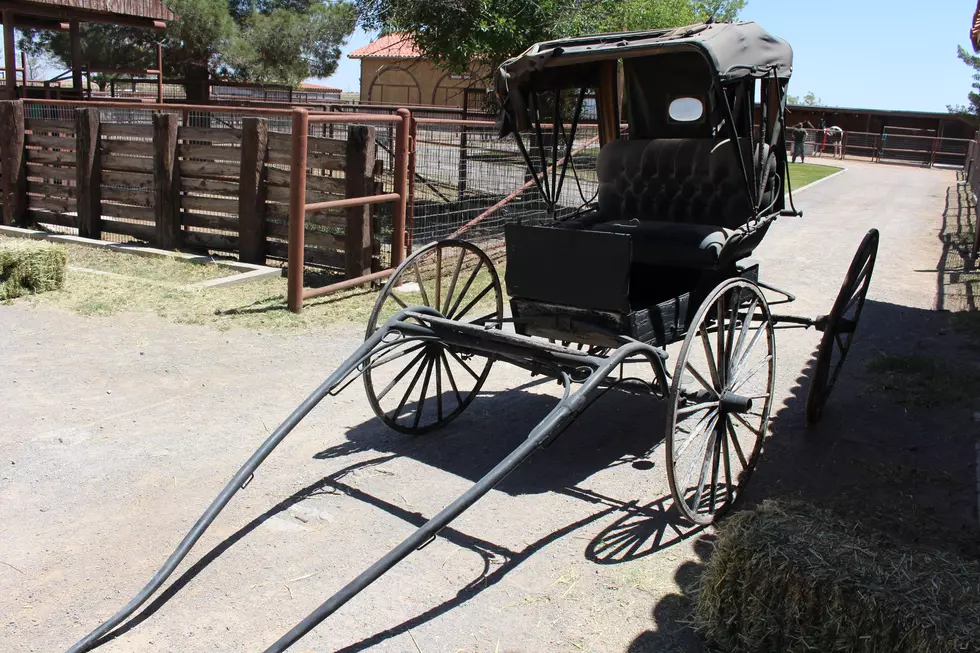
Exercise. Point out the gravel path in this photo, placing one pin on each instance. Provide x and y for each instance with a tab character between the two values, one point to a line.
116	433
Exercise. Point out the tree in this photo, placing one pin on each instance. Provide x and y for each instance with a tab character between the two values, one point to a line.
973	108
809	100
274	41
455	34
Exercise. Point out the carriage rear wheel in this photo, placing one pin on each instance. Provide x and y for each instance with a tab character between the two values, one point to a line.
839	326
720	400
416	387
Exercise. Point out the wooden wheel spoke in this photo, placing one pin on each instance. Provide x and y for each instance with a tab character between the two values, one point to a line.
466	367
466	288
756	431
710	357
713	493
438	303
384	360
730	338
693	408
709	451
397	299
425	387
475	300
738	383
438	360
720	365
726	457
695	432
400	375
411	386
748	350
452	380
710	429
736	445
744	331
418	279
697	375
452	284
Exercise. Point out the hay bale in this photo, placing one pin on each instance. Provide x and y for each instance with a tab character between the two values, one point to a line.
789	577
30	267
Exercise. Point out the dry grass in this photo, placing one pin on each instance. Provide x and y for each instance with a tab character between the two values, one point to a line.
791	578
159	287
29	267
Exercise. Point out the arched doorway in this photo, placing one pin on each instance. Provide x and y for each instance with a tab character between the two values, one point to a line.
394	84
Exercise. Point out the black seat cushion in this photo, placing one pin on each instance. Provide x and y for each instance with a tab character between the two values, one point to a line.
683	201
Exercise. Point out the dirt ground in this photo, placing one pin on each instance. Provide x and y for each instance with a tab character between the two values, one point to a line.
115	433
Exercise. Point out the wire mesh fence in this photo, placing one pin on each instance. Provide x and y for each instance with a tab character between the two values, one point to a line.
469	183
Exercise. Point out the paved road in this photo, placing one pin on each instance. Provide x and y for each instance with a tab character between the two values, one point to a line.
116	433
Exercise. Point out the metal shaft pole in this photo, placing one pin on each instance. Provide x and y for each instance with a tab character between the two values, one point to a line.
546	430
240	479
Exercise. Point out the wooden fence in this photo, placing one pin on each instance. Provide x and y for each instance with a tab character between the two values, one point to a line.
183	186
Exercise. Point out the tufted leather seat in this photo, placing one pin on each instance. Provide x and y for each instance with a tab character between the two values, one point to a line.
683	201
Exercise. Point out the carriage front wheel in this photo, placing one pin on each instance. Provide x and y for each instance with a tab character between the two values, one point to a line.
720	400
417	387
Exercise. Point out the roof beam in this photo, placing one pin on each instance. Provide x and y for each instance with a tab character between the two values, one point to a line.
24	12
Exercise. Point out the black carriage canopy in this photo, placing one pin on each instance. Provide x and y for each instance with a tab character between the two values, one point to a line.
723	51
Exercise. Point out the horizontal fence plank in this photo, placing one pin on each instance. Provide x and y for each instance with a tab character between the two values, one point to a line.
333	146
127	179
313	255
140	230
50	172
275	211
336	185
50	157
51	204
313	160
219	204
223	222
215	186
138	148
128	196
209	169
210	134
210	152
60	142
50	190
127	163
319	239
126	131
281	194
209	241
128	211
56	126
48	217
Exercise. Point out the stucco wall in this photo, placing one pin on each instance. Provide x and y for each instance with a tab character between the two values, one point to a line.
413	82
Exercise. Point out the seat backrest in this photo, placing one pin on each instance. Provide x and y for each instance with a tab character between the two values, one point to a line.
690	180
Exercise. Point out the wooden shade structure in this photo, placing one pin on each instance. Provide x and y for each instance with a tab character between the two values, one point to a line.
975	29
68	14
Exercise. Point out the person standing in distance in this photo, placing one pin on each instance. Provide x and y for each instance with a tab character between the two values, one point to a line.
799	142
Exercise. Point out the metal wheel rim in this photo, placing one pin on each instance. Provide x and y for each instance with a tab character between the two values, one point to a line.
852	295
432	362
724	447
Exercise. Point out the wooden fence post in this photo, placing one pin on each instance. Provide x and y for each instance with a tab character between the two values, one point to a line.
166	180
357	171
251	191
12	154
88	173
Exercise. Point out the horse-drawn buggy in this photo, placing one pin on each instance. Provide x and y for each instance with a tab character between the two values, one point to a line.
647	248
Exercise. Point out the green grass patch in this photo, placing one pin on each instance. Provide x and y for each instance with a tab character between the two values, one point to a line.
28	267
922	381
803	174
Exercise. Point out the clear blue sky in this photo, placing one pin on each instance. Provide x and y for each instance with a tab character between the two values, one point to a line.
860	53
